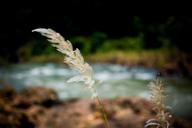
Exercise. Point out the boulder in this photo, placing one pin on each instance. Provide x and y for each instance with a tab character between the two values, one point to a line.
39	107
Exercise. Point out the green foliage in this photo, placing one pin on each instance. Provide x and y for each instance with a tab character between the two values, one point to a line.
24	53
97	40
90	44
166	43
34	48
83	43
99	47
125	44
40	47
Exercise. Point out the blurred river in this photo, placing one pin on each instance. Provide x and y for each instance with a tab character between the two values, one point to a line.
116	81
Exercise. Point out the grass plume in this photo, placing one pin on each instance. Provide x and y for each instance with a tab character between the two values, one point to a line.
75	60
158	98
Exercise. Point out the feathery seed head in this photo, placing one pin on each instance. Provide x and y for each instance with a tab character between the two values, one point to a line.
158	98
73	58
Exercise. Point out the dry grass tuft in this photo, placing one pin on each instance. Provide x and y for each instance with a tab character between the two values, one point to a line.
158	98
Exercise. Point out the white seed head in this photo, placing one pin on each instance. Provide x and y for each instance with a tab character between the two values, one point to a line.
158	98
73	58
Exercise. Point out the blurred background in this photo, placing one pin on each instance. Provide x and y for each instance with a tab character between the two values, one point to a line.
131	49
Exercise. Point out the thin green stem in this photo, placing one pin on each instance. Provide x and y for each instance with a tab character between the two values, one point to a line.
103	111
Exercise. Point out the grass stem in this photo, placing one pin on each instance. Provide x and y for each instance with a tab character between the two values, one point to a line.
103	111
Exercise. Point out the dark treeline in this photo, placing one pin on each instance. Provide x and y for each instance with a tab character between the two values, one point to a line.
175	29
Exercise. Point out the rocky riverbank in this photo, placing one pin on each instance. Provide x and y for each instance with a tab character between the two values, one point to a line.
39	107
169	63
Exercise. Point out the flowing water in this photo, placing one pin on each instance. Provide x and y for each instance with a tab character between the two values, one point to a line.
116	81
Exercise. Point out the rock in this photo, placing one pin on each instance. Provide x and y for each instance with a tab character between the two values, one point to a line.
38	95
18	109
40	107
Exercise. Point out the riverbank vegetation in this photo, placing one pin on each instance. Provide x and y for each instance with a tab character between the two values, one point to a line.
99	48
